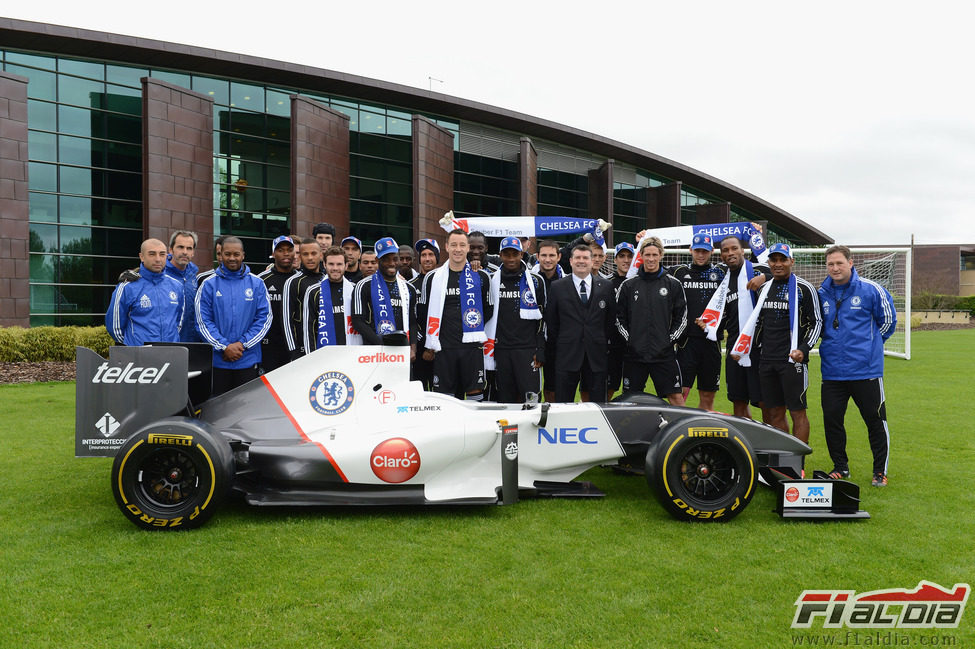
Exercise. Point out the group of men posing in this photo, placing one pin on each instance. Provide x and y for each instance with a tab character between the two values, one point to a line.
483	326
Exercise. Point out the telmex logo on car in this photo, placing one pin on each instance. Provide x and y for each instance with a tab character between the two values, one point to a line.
129	374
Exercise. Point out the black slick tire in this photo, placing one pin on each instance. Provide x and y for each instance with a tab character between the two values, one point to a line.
172	474
702	469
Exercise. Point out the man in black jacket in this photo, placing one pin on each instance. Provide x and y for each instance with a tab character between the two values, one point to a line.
519	338
651	314
274	347
580	314
309	274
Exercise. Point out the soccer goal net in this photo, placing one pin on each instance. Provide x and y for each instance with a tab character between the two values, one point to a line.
889	267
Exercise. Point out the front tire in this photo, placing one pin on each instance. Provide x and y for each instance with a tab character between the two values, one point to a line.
172	474
702	469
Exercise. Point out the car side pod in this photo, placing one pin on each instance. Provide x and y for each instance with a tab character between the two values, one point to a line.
819	499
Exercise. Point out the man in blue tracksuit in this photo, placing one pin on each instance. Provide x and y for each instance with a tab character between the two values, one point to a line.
180	266
858	316
233	314
148	307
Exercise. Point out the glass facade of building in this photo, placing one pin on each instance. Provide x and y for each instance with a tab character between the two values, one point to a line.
85	175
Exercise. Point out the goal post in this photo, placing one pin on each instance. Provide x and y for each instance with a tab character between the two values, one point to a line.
889	267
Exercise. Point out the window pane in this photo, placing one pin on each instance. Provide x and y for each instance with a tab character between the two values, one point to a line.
43	268
125	75
372	123
126	129
77	121
38	61
279	178
127	157
77	180
181	80
279	153
279	128
81	92
117	214
81	151
216	89
42	146
76	210
42	85
43	238
43	177
42	115
278	103
246	96
43	207
123	100
118	184
82	68
399	126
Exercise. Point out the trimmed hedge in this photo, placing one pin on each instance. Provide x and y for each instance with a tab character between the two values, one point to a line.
37	344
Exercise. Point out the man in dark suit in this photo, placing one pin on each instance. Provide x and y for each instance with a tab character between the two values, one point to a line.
580	317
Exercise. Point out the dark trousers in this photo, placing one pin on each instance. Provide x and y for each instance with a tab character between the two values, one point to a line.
566	383
868	395
515	376
225	380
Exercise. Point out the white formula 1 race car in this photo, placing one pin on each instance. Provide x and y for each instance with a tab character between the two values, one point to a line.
346	426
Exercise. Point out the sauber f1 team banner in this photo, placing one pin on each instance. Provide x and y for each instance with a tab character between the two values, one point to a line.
546	227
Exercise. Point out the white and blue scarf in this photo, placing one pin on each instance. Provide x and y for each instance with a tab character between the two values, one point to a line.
471	308
325	333
714	311
527	310
743	345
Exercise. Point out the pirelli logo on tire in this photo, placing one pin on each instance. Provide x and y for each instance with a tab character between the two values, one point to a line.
170	440
707	432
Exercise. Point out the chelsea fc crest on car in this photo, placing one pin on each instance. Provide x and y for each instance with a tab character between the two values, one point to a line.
331	393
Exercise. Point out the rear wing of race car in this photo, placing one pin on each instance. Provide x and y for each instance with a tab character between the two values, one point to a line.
116	397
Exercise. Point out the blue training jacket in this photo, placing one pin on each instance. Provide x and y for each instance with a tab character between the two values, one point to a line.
233	307
186	277
864	314
150	309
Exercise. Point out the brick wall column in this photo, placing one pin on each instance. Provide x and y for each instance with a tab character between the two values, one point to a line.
663	206
433	177
14	203
527	178
320	167
601	195
177	164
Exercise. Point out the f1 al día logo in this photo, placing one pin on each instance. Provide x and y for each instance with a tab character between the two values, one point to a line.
331	393
929	606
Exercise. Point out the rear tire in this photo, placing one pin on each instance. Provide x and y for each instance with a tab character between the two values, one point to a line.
702	469
172	474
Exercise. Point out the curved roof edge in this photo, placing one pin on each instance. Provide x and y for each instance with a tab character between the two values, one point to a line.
28	35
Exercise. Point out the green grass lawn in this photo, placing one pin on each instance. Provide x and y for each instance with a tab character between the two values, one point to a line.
616	572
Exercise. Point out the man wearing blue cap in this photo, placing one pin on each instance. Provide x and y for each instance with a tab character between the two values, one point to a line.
515	348
384	302
784	325
353	251
274	347
698	357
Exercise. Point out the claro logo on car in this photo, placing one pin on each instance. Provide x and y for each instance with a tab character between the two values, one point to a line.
395	460
128	374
